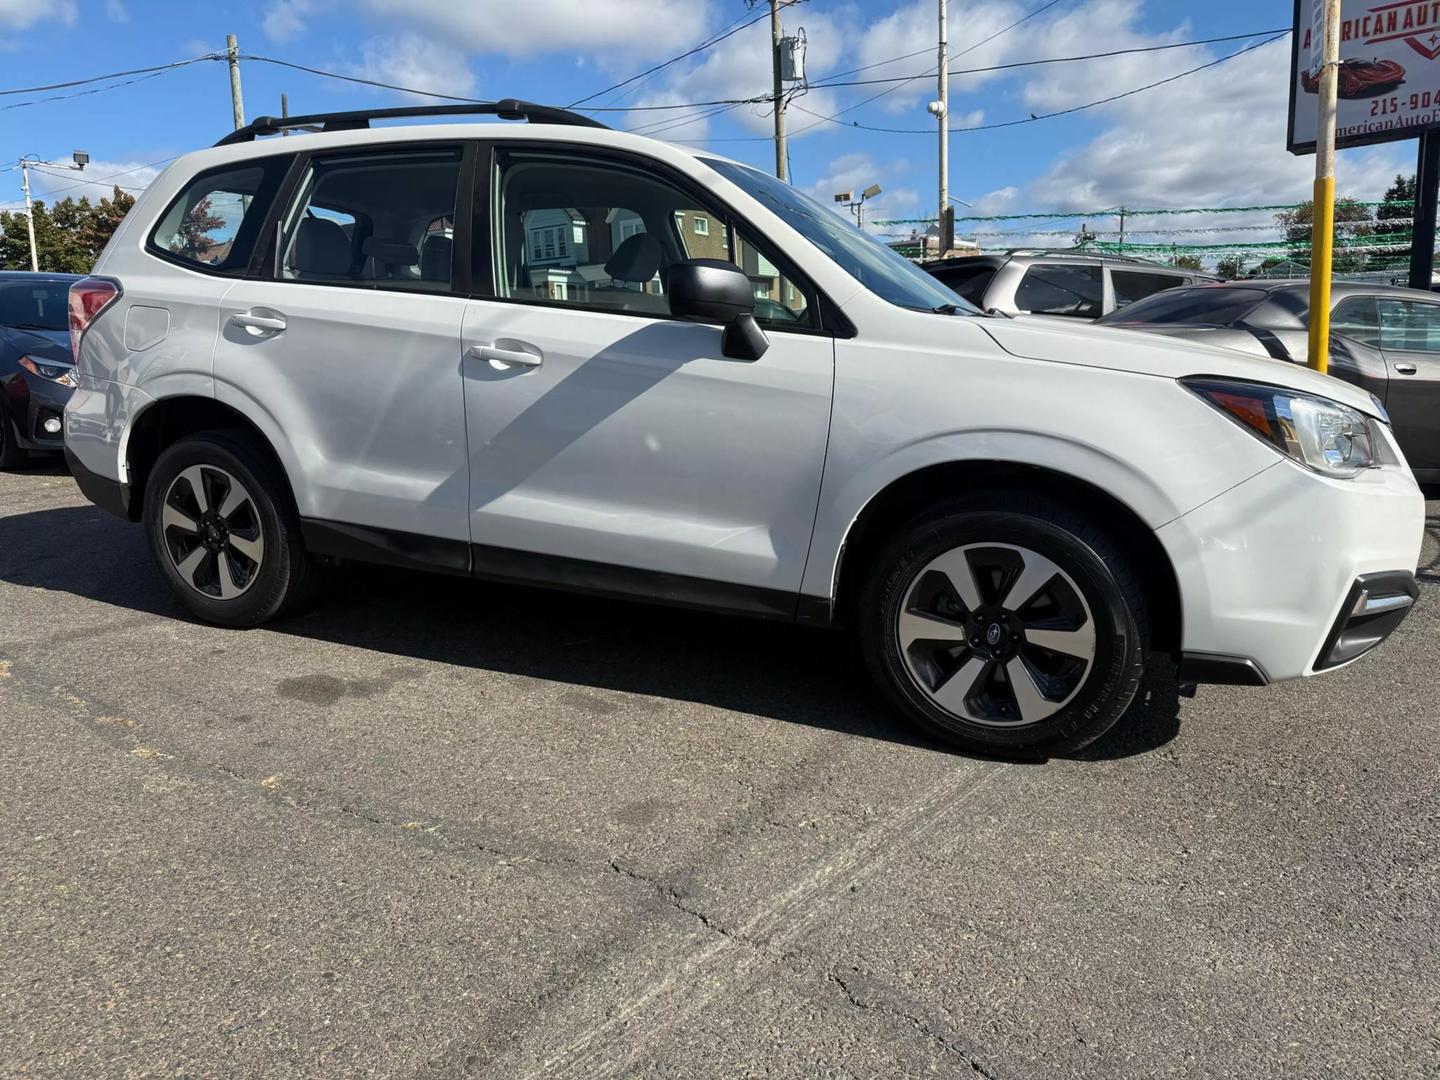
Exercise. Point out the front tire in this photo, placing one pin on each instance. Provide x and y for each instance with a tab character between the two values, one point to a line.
224	532
1005	625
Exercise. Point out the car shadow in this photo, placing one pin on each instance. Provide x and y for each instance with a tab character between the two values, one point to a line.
776	670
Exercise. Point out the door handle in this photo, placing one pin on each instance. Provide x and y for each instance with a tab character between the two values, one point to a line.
507	358
1405	369
273	323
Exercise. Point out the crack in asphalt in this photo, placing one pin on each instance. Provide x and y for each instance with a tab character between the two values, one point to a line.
946	1043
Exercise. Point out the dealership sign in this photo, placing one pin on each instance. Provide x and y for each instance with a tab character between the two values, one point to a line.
1389	71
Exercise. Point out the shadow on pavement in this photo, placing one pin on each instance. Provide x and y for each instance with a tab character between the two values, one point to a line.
780	671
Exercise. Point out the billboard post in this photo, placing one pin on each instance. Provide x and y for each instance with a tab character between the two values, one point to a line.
1322	236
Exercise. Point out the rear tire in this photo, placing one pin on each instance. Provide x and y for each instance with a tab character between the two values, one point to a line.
951	640
12	456
224	531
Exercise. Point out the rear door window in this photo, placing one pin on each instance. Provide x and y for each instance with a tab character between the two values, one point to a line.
1409	326
214	222
1075	291
376	219
1358	319
1133	285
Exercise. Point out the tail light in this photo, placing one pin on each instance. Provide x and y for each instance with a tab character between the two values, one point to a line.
88	298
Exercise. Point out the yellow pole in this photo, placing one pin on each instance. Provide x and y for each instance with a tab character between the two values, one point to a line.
1322	236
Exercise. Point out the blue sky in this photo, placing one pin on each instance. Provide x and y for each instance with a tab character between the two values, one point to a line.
1214	138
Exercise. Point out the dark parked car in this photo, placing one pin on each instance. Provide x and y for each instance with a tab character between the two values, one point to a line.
1384	339
35	363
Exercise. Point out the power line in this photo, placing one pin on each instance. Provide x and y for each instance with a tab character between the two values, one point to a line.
84	93
112	176
969	49
355	78
1061	59
1035	118
112	75
729	31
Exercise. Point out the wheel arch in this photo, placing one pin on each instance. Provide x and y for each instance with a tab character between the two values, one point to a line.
170	419
908	495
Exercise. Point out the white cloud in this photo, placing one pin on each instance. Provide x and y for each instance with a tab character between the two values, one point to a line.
286	20
599	28
22	14
117	11
417	62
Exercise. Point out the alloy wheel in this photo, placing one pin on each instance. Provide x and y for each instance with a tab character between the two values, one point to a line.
211	529
996	635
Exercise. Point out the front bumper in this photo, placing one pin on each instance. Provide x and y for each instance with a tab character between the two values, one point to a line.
31	402
1269	572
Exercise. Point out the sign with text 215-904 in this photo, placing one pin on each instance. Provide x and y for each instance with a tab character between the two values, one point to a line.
1389	71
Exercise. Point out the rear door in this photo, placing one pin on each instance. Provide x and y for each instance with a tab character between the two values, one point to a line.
348	345
1410	341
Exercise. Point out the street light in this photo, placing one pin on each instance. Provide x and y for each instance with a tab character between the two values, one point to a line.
858	205
79	159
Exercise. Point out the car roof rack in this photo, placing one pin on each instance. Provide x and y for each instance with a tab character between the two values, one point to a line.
359	119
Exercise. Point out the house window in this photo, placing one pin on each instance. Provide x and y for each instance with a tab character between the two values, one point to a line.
562	242
702	225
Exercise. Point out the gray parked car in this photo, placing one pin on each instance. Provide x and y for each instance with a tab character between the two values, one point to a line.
1384	339
1058	284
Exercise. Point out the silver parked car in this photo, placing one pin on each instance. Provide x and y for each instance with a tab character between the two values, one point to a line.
1059	284
1384	339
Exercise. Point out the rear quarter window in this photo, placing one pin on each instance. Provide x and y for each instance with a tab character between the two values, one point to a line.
214	222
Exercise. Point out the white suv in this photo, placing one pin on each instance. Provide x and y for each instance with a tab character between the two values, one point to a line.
569	356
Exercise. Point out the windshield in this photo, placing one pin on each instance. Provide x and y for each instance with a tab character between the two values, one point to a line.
1208	304
886	273
35	305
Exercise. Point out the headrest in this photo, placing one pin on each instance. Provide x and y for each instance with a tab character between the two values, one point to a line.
636	259
435	258
322	247
390	252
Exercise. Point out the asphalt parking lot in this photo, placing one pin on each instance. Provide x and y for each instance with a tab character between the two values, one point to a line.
438	828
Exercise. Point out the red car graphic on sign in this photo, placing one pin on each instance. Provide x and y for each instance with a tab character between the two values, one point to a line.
1361	78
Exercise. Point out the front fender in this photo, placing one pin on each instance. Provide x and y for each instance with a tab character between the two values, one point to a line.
841	506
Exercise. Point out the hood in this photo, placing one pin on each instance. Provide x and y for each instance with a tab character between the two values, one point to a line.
1168	357
50	344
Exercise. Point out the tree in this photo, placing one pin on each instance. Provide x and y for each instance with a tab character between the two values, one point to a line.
1353	223
1188	262
1398	207
1231	267
69	235
192	239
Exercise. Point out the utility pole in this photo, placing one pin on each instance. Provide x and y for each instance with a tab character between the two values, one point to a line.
284	111
1123	212
1322	235
946	220
79	160
781	169
237	103
29	215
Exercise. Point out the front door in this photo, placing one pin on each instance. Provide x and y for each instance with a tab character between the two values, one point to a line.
620	443
353	344
1410	340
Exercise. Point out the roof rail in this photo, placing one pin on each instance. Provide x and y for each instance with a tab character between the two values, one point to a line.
507	109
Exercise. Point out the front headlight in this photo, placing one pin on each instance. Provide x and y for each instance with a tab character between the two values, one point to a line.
64	374
1320	434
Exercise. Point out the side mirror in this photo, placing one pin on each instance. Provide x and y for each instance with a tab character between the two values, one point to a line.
716	291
